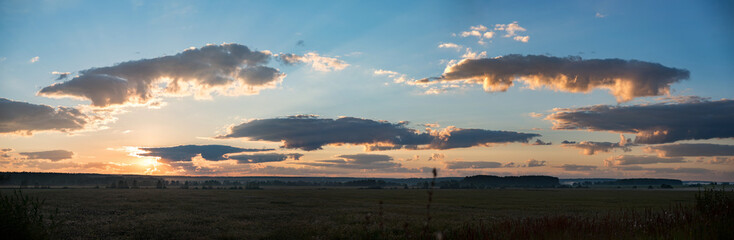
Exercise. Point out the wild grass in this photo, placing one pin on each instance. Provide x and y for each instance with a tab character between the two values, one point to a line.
22	217
339	213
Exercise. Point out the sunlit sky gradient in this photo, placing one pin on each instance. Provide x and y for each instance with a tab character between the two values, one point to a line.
366	59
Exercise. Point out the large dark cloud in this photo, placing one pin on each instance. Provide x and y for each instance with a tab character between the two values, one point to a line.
186	152
625	79
657	123
692	150
640	159
53	155
228	69
311	133
26	118
472	165
265	157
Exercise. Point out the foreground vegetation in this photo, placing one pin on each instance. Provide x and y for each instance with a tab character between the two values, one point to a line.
386	213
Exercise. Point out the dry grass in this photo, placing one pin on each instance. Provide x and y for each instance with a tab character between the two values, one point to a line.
353	213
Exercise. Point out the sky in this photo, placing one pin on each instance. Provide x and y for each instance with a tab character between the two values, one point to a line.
574	89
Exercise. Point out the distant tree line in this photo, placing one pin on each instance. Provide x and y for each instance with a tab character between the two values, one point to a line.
488	181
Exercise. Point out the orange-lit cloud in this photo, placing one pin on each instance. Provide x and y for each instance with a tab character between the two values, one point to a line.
226	69
625	79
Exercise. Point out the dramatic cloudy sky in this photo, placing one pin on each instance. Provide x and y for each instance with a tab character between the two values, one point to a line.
369	88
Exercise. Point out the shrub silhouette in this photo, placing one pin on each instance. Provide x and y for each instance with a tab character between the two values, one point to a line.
21	217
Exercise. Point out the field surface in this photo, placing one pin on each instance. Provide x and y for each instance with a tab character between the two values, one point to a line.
314	214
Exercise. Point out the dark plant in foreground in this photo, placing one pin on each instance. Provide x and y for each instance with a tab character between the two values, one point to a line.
426	227
21	217
710	218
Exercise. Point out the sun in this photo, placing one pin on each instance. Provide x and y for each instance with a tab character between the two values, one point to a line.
150	163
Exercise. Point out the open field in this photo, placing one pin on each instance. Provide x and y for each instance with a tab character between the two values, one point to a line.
325	213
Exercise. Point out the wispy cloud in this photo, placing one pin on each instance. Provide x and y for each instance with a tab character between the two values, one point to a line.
577	168
511	30
34	59
53	155
472	165
591	148
450	45
640	159
188	152
317	62
692	150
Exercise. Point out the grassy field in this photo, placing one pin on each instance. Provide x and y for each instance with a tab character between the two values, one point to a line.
326	213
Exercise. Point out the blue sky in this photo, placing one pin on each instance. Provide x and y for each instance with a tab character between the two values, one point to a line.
366	36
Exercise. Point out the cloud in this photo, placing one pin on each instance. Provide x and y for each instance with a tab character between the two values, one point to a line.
591	148
510	29
668	170
25	118
436	157
472	165
657	123
625	79
450	45
396	76
5	153
34	59
385	72
722	160
540	142
479	27
62	75
372	162
474	55
265	157
471	33
317	62
528	163
53	155
692	150
536	115
312	133
599	15
640	159
577	168
227	69
535	163
682	99
522	38
185	153
479	31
